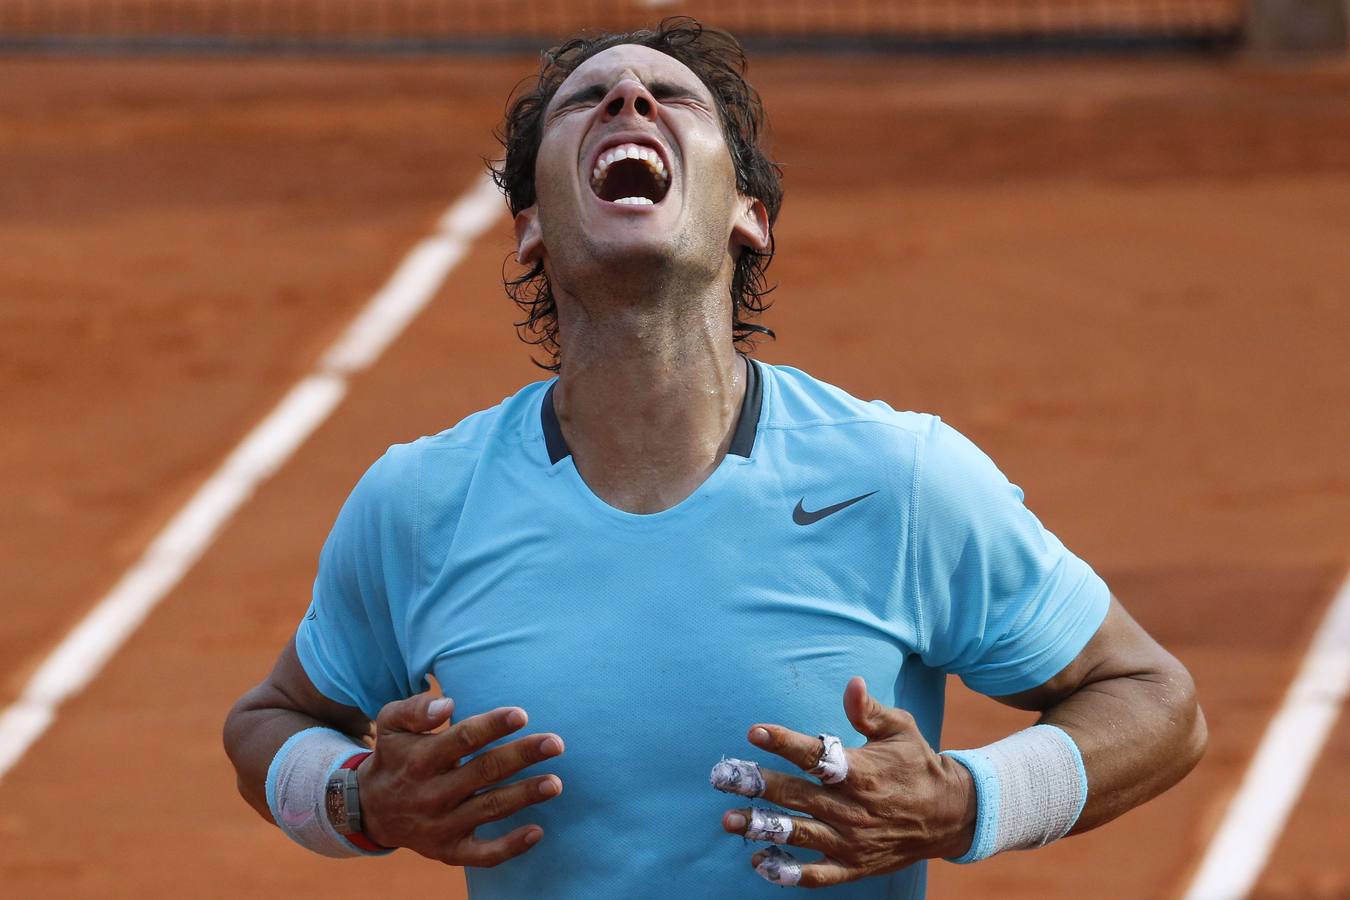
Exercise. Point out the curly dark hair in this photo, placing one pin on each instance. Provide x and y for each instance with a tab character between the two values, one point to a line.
718	60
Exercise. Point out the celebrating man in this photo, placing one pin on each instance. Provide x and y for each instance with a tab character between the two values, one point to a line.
670	550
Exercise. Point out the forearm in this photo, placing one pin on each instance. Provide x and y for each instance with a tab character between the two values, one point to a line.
252	738
1139	734
284	704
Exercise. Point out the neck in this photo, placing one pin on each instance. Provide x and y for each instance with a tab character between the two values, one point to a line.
648	396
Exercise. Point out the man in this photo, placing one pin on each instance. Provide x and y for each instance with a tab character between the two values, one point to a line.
670	550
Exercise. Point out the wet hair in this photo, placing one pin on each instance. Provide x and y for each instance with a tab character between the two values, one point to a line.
719	62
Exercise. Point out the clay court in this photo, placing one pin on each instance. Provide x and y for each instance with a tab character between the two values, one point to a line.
1126	279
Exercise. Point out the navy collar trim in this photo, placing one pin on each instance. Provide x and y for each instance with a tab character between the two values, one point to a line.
742	441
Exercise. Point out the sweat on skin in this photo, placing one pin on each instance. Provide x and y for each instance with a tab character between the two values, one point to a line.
607	588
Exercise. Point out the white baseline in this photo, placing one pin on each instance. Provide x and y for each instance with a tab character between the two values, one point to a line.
1279	771
172	553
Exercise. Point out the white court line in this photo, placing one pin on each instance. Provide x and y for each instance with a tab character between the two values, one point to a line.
1283	762
85	650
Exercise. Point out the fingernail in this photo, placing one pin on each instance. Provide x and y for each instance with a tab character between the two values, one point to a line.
759	736
515	718
550	746
533	837
549	788
438	708
736	821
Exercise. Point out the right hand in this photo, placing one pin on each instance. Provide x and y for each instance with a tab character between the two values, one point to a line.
415	793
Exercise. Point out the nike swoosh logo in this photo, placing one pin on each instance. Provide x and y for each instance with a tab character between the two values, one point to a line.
296	820
802	516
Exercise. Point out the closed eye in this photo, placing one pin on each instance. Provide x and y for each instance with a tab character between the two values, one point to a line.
588	96
665	91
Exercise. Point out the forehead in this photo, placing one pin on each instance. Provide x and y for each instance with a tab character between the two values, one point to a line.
609	66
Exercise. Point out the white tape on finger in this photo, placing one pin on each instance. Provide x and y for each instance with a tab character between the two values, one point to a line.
737	776
779	867
767	825
833	765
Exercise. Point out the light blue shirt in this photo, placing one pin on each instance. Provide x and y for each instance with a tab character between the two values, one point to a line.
652	642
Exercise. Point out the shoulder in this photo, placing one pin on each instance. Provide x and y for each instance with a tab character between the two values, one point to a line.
508	423
501	427
799	401
919	447
446	461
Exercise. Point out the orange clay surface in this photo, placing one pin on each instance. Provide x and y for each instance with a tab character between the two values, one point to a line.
1127	281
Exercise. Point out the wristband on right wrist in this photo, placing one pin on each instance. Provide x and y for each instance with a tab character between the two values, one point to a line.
1030	789
296	788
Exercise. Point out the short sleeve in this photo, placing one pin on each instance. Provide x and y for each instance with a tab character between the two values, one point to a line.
347	641
1002	602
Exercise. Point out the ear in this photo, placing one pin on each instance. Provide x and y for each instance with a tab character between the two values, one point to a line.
529	236
750	228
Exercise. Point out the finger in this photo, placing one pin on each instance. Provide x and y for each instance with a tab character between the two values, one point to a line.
870	717
414	715
498	803
804	796
777	865
802	750
476	732
484	854
778	827
502	762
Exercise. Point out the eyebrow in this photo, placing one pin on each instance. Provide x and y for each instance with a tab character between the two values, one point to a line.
595	92
661	90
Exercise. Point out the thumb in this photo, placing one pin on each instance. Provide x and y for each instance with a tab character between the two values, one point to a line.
415	715
870	717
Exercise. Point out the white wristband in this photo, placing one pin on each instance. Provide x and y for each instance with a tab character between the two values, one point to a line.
1030	789
296	782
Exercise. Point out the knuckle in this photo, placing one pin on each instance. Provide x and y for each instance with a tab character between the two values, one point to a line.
470	735
388	712
490	768
486	859
493	806
795	794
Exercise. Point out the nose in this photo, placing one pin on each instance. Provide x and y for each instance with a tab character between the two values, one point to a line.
629	98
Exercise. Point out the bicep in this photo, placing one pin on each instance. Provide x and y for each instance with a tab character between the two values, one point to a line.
289	688
1120	648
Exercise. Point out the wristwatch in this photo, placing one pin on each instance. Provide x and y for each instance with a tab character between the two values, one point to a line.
342	799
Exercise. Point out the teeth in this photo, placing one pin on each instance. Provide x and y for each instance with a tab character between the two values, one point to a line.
628	151
634	201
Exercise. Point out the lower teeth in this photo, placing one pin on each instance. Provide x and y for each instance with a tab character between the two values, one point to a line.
634	201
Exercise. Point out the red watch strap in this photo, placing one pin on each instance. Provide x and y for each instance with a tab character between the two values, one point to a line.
358	838
356	759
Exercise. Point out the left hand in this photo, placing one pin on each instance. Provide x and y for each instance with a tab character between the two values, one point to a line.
900	803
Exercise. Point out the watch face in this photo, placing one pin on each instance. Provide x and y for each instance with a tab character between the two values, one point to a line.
335	803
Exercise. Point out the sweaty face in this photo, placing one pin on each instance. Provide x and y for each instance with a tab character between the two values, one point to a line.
633	172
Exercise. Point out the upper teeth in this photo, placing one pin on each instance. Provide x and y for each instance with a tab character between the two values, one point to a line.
628	151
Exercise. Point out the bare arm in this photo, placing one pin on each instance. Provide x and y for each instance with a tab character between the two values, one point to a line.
1127	703
1131	708
260	722
415	792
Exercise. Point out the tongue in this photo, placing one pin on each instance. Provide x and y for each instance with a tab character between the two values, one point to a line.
629	178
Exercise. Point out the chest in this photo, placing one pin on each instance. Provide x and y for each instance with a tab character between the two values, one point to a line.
731	607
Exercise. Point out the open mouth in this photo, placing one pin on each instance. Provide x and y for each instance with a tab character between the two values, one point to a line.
630	174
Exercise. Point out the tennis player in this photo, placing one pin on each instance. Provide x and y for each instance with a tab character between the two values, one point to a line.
674	568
